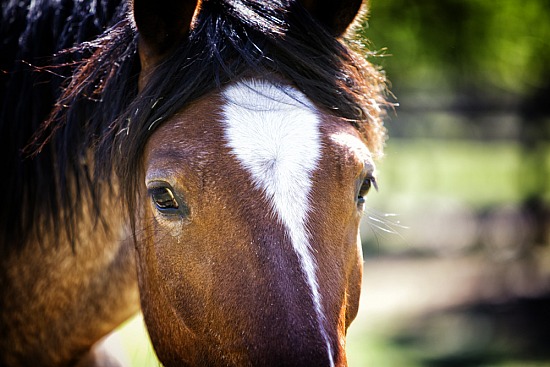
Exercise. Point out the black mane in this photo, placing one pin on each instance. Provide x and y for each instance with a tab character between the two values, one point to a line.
100	121
31	34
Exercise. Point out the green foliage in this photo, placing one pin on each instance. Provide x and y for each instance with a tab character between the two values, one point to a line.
479	174
459	44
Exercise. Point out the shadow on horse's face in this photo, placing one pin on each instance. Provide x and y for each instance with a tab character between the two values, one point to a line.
249	252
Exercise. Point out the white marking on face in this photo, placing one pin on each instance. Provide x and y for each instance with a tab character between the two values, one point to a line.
355	146
274	133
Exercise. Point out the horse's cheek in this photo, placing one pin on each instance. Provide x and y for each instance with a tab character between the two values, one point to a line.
174	278
354	288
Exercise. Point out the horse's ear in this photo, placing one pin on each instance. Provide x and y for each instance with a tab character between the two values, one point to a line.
336	15
161	24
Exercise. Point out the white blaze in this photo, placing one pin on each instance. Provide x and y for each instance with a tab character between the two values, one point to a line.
274	132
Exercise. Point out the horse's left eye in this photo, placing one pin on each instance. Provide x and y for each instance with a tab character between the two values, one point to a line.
365	188
164	200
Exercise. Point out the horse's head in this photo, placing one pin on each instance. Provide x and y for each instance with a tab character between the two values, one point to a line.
248	242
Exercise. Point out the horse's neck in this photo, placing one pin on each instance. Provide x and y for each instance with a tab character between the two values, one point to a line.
55	285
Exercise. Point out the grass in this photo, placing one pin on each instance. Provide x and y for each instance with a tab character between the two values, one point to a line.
135	343
477	172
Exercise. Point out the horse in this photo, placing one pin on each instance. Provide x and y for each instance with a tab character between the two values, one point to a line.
205	162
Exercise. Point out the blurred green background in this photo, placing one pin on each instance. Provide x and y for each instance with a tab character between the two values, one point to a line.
456	243
457	255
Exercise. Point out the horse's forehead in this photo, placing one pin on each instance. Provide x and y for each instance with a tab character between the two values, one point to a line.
261	124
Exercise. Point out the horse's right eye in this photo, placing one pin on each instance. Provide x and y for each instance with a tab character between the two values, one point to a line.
164	200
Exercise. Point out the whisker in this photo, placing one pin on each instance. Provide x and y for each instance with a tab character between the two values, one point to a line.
384	229
388	223
384	224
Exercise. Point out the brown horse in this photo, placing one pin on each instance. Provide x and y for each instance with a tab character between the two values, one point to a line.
205	160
